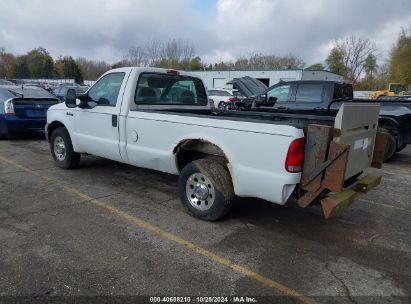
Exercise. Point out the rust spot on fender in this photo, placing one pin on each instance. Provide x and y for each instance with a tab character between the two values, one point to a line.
199	145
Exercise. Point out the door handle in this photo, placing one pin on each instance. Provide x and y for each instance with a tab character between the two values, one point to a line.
69	114
318	109
282	108
114	121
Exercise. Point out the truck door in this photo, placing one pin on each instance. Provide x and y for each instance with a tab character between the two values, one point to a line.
280	95
308	98
96	127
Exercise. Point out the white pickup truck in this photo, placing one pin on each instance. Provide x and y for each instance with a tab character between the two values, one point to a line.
161	119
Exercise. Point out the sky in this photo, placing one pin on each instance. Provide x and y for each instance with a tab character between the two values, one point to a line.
221	30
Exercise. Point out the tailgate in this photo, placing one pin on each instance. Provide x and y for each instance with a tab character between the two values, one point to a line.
336	156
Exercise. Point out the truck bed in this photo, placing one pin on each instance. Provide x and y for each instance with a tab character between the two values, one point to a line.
299	121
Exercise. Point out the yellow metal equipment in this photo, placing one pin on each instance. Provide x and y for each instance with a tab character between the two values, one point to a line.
394	89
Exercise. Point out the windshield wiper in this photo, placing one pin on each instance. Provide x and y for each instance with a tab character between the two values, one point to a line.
16	93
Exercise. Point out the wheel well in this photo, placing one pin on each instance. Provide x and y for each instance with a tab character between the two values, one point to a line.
191	149
54	125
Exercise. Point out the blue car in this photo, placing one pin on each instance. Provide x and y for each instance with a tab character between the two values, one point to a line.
23	109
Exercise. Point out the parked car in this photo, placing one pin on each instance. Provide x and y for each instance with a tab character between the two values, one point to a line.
224	99
393	98
17	81
23	109
61	91
160	119
5	82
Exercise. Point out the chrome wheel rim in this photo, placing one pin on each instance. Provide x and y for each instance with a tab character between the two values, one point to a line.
221	106
200	191
59	148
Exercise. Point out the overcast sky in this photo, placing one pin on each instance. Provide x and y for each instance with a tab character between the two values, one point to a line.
219	29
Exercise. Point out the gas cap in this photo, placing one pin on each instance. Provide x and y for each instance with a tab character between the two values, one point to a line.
134	136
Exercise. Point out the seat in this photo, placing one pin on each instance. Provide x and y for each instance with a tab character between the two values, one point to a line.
147	94
187	97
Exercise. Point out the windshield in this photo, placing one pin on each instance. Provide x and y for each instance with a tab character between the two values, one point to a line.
396	88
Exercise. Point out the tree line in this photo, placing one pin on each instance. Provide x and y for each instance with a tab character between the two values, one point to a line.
355	58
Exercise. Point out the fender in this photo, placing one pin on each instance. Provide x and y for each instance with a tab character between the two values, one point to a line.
389	120
60	118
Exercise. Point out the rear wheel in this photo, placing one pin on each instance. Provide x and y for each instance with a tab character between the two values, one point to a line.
402	147
206	189
62	149
391	147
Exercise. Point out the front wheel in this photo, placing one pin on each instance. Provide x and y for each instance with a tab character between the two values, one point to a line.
62	149
222	106
206	189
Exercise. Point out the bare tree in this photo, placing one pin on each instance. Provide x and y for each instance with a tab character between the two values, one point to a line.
355	52
152	49
174	53
137	56
268	62
91	69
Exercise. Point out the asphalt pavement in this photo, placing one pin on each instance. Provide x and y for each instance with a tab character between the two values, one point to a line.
109	229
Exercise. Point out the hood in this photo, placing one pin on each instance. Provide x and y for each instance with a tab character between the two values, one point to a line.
248	86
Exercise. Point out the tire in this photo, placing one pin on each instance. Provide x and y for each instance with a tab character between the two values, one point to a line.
62	149
222	106
391	147
400	148
206	189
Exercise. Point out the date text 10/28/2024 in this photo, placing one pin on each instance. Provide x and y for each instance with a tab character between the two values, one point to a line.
205	299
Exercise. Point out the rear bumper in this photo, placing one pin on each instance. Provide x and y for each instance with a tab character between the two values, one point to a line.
340	201
10	124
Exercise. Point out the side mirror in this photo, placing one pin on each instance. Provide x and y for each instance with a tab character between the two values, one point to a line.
70	98
271	101
81	101
259	100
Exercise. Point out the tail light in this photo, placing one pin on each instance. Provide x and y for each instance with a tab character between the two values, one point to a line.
173	72
295	156
9	107
232	99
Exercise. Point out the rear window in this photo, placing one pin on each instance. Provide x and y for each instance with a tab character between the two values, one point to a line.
223	93
164	89
342	92
30	92
309	92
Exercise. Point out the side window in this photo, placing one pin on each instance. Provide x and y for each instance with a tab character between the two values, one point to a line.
309	93
105	91
164	89
280	93
224	93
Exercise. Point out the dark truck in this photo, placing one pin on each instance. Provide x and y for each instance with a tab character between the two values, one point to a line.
324	98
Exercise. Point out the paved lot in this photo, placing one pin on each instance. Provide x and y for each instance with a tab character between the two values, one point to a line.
111	229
